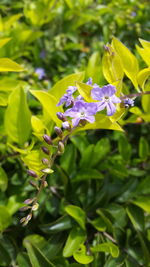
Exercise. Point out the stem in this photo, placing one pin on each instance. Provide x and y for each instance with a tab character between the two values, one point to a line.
135	95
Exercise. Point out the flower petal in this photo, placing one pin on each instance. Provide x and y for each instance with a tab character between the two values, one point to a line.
111	109
108	90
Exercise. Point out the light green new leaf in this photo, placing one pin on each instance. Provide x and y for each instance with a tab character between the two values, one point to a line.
3	180
4	41
5	218
49	103
102	122
18	117
144	53
107	247
144	43
129	61
112	67
59	89
143	202
38	127
143	76
14	204
33	161
77	213
81	256
7	64
76	237
85	91
94	68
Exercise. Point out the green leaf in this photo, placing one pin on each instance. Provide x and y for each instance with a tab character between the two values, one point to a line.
49	103
143	148
86	174
23	260
136	216
7	64
107	247
145	99
143	202
76	237
142	77
4	41
144	53
105	219
77	213
61	224
59	89
14	204
17	117
99	224
129	61
101	149
5	218
81	256
68	159
125	148
3	180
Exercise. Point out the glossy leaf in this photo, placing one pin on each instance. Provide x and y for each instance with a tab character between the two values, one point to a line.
7	64
5	218
3	179
143	148
17	117
76	213
124	148
76	237
142	77
108	247
85	91
81	256
136	216
143	202
129	61
59	89
61	224
49	103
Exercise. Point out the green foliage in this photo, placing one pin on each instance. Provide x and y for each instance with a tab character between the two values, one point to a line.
95	210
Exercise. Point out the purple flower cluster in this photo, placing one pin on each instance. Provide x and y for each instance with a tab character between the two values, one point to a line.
40	72
81	111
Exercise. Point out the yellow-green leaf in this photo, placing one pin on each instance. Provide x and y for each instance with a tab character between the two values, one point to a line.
49	103
85	91
129	61
81	256
77	213
18	117
4	41
144	53
59	89
107	247
143	76
7	64
94	68
143	202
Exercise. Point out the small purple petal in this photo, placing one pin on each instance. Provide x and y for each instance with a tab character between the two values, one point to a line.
90	119
40	73
115	99
71	90
108	90
75	121
101	105
111	109
89	82
128	102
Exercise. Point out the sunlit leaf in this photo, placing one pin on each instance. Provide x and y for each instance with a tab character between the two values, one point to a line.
77	213
3	179
81	256
7	64
107	247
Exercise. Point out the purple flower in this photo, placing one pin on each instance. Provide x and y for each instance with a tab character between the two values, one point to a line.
128	102
66	98
82	111
89	82
43	54
71	90
40	73
66	125
106	97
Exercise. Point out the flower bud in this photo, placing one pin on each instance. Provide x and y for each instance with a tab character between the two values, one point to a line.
45	150
66	125
61	147
45	161
61	116
47	139
29	201
22	219
29	216
32	173
33	184
45	184
58	131
47	170
25	208
35	207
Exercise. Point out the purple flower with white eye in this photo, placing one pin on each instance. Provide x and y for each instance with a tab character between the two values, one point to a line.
106	97
40	73
82	111
128	102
